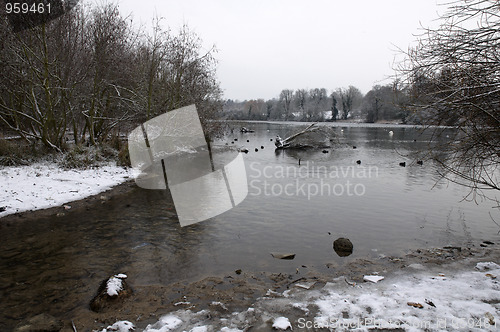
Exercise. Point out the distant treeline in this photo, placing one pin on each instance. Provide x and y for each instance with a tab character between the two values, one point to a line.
91	73
382	103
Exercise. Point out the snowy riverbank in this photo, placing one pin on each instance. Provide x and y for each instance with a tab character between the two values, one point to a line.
417	299
45	185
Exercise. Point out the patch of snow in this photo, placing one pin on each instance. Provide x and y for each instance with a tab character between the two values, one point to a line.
386	307
220	304
301	306
121	326
45	185
305	285
199	329
487	266
114	286
373	279
282	323
182	303
271	293
165	324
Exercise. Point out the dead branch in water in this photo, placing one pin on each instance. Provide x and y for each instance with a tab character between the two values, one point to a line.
285	143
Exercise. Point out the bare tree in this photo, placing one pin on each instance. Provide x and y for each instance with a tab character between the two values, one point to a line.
334	109
300	97
111	84
383	102
453	75
40	77
285	100
317	105
151	54
188	76
348	98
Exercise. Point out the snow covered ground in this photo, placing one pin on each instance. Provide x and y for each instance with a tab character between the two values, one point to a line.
45	185
414	300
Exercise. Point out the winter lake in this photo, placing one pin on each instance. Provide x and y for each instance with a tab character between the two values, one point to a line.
382	207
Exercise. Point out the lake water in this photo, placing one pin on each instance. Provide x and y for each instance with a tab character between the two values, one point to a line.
382	207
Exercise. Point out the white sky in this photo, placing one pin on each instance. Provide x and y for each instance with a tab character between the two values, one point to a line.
269	45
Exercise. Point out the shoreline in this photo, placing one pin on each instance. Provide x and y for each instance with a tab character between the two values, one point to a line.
343	123
45	189
76	205
215	300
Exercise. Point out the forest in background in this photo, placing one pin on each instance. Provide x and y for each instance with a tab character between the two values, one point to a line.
383	103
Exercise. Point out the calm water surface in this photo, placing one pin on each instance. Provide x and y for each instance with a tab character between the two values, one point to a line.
383	208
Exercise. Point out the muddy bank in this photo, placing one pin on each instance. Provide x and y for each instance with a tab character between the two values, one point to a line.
238	290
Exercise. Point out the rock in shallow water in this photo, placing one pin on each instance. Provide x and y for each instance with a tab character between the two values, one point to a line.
343	247
111	291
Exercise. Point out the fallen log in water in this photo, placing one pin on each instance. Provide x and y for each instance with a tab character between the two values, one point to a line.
311	137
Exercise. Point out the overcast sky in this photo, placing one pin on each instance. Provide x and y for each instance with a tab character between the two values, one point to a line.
270	45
